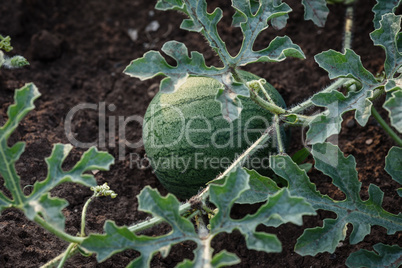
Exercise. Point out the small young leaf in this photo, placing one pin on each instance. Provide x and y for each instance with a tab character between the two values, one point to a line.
316	10
344	65
165	207
385	256
231	105
382	7
394	108
14	62
325	125
5	43
224	196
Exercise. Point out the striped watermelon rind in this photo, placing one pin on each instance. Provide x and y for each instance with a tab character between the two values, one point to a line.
188	142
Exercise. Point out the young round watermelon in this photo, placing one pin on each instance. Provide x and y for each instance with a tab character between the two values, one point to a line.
188	142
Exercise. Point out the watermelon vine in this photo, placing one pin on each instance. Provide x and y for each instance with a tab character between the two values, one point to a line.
285	193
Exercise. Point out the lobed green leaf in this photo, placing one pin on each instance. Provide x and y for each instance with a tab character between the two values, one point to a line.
252	23
90	160
153	64
385	256
5	43
341	65
386	36
205	23
394	108
316	10
280	208
24	98
39	203
170	5
224	258
393	165
117	239
252	17
361	214
382	7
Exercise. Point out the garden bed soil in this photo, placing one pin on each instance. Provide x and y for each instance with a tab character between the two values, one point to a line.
77	51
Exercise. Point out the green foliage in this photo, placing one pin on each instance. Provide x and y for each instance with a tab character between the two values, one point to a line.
260	189
5	43
251	19
382	7
388	256
280	208
361	214
207	214
349	65
316	10
393	106
39	203
393	165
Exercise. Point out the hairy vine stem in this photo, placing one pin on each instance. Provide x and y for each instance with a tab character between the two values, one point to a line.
204	193
68	253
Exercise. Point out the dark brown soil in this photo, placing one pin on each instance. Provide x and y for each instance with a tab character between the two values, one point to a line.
78	50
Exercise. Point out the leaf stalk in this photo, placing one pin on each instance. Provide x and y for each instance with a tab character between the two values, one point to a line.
57	232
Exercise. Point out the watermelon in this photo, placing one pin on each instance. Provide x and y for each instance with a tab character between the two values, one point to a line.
188	142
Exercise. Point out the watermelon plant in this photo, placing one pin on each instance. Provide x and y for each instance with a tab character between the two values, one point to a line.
13	62
199	109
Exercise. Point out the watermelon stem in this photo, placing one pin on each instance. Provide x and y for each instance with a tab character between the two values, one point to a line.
278	135
309	103
265	104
